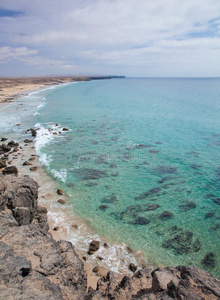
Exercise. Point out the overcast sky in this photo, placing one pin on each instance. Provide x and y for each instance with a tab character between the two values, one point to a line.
142	38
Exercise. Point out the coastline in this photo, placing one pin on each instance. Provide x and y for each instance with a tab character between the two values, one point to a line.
48	197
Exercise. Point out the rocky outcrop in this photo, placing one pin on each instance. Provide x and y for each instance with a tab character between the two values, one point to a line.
178	283
32	264
35	266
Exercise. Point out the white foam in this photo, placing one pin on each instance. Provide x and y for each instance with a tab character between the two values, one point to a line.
61	174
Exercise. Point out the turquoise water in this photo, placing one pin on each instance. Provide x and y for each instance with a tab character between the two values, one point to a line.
142	163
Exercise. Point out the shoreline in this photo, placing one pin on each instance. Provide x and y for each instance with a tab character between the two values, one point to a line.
47	196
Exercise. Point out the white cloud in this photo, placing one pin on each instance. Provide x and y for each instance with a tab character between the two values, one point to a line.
9	53
114	33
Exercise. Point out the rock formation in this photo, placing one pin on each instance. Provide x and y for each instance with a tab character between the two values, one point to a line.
34	266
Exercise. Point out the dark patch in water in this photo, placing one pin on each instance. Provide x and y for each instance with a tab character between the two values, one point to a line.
141	221
102	160
195	166
148	193
110	199
166	178
90	184
209	260
209	215
103	207
163	170
216	201
166	215
182	241
193	153
89	174
187	206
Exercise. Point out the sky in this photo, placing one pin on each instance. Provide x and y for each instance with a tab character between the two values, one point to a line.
135	38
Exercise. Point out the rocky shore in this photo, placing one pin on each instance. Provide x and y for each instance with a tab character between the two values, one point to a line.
33	265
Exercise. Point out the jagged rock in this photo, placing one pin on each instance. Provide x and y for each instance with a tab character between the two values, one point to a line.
2	163
10	170
20	196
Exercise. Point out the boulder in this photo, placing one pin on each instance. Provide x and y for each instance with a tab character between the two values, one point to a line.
60	192
93	247
10	170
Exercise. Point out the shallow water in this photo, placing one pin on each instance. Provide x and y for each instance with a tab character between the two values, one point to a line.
141	161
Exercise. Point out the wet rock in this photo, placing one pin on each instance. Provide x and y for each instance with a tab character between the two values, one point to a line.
163	170
65	129
103	207
166	215
3	139
100	258
10	170
132	267
153	151
62	201
2	163
93	247
141	221
13	144
60	192
31	158
89	174
56	228
27	141
216	201
209	260
33	132
95	269
34	168
75	226
187	206
27	163
5	148
151	192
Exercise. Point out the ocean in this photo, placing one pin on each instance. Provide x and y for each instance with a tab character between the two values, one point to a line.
140	159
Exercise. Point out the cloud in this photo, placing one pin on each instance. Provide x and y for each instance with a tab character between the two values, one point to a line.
9	53
119	33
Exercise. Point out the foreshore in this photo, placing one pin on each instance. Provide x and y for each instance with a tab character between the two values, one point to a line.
27	162
24	158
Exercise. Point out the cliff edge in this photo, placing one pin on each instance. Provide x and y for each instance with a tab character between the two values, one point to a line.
34	266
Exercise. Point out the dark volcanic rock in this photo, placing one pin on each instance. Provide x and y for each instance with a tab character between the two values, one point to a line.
13	144
89	174
10	170
132	267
